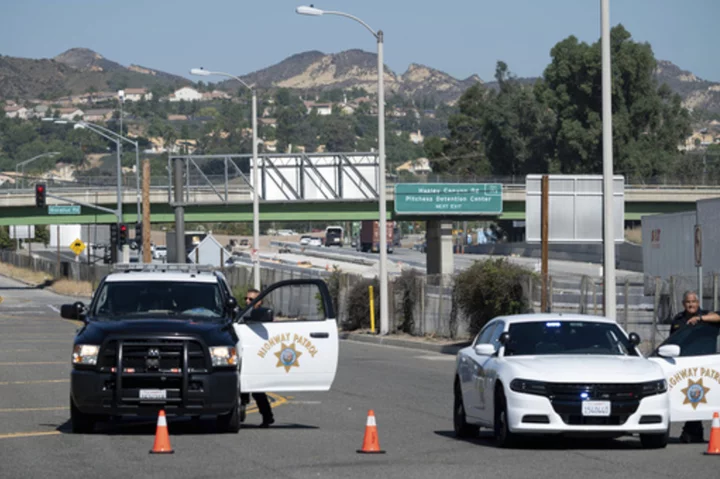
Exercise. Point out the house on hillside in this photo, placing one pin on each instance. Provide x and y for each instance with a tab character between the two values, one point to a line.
186	93
346	108
268	122
215	95
99	115
417	138
16	112
321	108
421	166
137	94
70	113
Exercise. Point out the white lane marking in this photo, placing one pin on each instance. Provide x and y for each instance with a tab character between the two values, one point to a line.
33	409
53	308
38	381
437	358
303	402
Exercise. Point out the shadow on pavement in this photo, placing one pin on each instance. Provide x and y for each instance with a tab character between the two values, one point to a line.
46	284
550	442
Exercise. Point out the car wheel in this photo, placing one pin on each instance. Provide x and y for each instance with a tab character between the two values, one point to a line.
230	422
503	436
654	441
81	423
460	424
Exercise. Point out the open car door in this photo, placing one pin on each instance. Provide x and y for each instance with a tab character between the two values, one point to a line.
694	376
288	338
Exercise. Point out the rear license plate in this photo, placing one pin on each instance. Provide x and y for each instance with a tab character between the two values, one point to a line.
153	394
596	408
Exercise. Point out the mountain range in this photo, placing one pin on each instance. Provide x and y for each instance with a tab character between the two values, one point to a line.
80	70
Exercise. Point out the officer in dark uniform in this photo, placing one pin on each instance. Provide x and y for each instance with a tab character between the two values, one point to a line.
692	430
261	399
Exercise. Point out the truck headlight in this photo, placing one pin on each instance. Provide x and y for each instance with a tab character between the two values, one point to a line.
223	356
85	354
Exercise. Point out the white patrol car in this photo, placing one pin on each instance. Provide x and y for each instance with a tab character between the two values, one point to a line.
559	374
172	337
690	359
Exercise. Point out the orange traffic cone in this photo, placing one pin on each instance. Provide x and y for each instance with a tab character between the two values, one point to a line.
714	444
162	439
371	444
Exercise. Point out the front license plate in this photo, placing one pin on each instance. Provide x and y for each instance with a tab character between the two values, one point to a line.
153	394
596	408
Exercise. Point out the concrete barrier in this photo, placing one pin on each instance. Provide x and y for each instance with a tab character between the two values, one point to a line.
628	256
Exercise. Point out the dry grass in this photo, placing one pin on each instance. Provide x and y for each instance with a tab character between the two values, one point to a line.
25	275
634	235
35	278
72	288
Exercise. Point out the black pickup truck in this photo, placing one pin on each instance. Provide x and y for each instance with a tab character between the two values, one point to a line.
155	340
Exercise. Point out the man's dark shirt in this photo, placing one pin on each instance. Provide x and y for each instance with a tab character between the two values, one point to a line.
682	318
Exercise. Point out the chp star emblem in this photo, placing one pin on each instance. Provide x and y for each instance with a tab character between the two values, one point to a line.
288	357
695	393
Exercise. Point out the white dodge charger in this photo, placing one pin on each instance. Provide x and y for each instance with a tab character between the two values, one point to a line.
564	374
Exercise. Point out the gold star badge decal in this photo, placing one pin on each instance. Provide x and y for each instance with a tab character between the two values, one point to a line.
288	357
695	393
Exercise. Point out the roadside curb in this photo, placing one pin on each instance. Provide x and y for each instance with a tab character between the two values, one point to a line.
451	348
46	288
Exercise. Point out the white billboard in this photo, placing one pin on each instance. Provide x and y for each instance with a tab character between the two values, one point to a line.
575	213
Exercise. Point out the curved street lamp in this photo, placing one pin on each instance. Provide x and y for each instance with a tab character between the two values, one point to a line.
256	180
22	164
382	270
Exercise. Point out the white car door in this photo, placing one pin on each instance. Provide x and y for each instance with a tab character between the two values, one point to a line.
489	371
476	390
298	349
694	376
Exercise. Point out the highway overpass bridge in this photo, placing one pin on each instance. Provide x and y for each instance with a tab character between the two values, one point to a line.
17	207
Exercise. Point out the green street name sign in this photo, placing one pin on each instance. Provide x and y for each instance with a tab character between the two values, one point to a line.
63	209
448	198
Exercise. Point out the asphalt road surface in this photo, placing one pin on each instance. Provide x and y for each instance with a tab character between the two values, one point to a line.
315	434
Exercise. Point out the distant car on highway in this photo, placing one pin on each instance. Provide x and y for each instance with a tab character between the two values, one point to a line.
559	374
305	240
315	242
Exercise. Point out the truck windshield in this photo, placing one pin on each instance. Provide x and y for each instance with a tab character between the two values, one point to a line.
158	299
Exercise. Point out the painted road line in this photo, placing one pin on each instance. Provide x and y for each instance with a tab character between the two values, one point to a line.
53	308
37	340
15	435
36	381
444	357
33	409
33	363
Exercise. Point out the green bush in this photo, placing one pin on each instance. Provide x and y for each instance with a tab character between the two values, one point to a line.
489	289
239	291
358	305
407	286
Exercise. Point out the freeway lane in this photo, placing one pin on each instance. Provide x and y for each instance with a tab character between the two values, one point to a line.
315	434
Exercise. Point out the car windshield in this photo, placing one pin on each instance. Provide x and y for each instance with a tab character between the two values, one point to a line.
567	337
158	299
699	340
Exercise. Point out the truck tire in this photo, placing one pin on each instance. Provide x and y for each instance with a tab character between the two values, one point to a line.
230	422
81	423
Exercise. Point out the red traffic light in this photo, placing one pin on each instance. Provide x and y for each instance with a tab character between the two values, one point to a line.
40	188
123	228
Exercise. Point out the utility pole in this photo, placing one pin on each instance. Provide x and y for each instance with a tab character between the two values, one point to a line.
179	213
146	252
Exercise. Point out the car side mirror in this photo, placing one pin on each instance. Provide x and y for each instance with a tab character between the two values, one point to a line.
669	351
485	349
504	338
262	315
635	339
73	311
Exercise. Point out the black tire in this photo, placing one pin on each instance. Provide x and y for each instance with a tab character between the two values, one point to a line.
81	423
654	441
504	438
460	425
230	422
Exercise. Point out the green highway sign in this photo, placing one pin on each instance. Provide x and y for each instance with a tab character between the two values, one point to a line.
63	209
448	198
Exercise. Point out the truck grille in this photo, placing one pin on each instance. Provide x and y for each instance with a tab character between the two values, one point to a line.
153	356
567	401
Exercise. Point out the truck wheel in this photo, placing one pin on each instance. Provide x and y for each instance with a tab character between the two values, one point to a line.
81	423
230	422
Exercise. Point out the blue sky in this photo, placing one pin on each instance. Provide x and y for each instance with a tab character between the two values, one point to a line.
460	37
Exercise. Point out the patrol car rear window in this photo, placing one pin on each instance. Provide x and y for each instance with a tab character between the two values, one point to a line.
158	299
566	337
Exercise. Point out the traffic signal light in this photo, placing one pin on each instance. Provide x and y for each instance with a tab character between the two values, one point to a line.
40	195
138	233
114	234
123	234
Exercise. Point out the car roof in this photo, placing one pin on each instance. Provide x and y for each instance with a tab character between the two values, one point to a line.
540	317
169	276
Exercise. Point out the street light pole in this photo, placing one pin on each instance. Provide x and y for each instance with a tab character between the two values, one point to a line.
382	193
608	212
23	163
257	190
